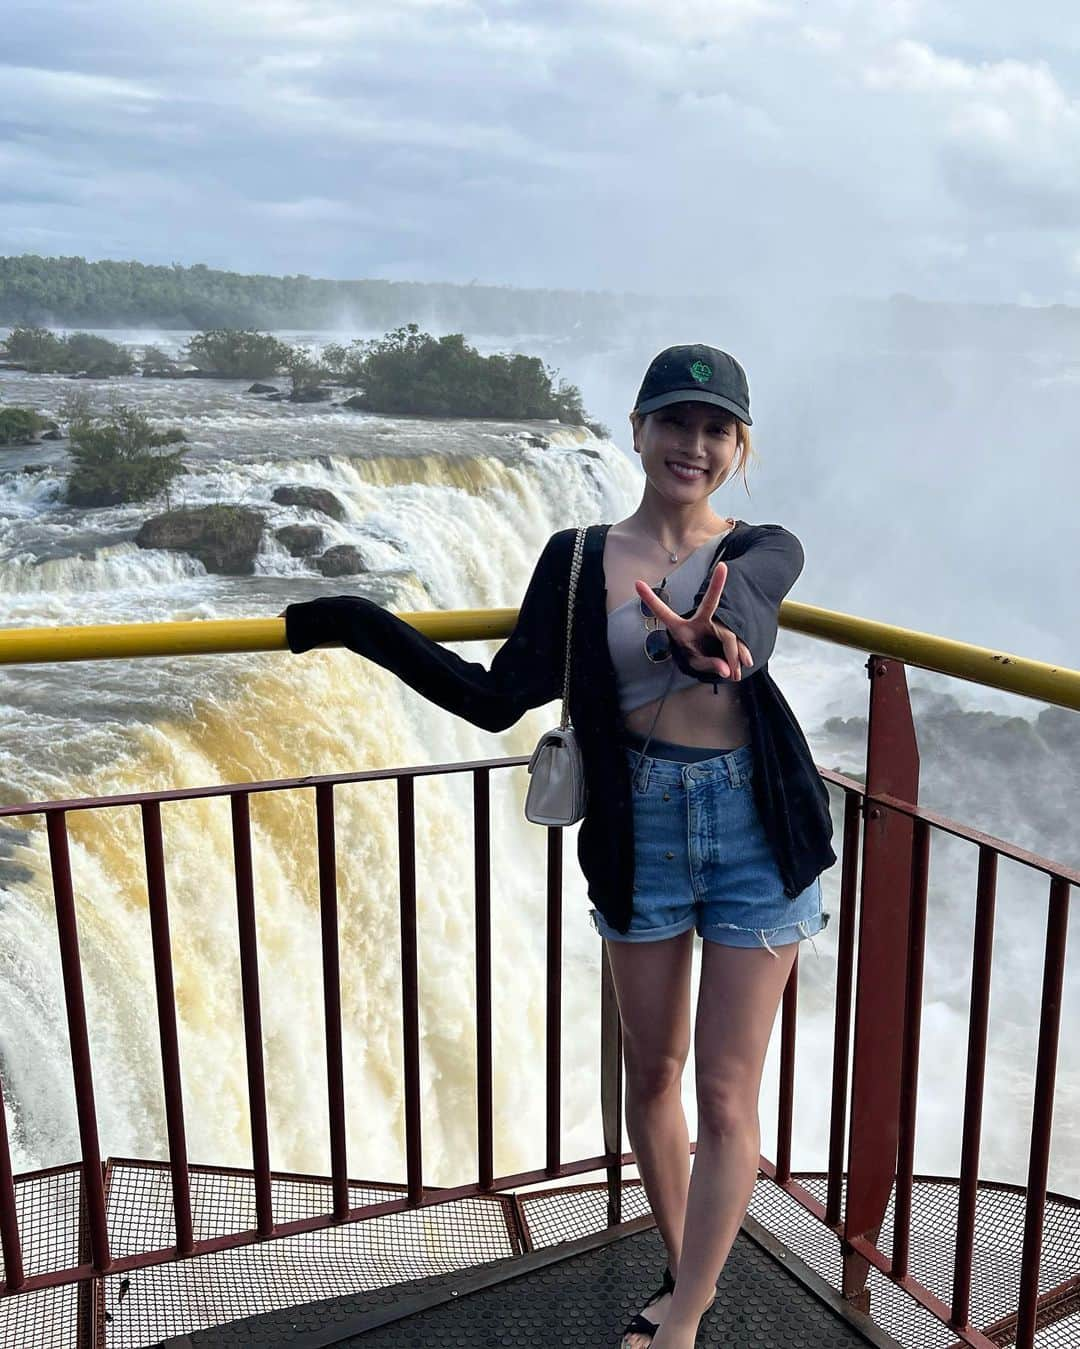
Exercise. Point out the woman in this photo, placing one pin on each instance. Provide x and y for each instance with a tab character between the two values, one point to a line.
722	829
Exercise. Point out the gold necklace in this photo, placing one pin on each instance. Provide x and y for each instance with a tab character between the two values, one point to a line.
674	556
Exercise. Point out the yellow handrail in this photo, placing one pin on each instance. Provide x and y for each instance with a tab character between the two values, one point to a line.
110	641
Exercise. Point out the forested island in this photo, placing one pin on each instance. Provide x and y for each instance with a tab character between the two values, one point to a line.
406	372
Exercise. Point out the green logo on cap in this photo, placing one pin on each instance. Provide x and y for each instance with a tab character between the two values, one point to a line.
701	372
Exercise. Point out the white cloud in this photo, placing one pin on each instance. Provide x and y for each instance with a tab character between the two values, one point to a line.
826	39
1004	129
318	210
70	86
860	145
695	20
916	67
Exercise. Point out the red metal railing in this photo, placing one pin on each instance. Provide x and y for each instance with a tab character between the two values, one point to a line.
873	1088
417	1195
888	1002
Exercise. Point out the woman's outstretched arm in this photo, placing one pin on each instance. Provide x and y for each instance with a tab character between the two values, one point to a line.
525	672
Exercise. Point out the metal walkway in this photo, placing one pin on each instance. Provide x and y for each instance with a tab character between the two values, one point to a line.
576	1296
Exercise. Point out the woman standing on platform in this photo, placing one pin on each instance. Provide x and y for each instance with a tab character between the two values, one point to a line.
721	827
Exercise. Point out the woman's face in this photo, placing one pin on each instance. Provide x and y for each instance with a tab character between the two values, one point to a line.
700	436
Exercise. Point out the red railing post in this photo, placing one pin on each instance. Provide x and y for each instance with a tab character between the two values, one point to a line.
167	1032
909	1076
554	999
485	1128
892	768
331	963
67	928
611	1086
845	960
249	983
410	986
974	1080
14	1275
1042	1113
786	1094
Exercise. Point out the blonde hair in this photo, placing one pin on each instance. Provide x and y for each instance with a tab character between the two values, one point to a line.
744	449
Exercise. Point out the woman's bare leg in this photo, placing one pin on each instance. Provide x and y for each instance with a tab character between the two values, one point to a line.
738	997
652	985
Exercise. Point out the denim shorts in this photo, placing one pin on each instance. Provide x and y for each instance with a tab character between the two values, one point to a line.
701	856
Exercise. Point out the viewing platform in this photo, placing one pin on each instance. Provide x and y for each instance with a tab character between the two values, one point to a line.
121	1252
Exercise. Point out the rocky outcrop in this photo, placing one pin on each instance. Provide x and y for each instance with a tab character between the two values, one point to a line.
310	498
225	539
341	560
355	403
310	395
300	540
263	388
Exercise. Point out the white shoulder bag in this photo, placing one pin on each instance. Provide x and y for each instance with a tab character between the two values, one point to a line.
556	794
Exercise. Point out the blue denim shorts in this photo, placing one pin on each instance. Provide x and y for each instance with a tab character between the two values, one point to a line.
701	856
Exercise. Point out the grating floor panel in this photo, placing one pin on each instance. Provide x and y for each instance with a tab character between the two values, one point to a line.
999	1221
336	1271
48	1206
556	1216
148	1305
577	1303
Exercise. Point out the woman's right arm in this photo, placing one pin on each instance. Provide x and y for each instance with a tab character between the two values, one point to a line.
525	672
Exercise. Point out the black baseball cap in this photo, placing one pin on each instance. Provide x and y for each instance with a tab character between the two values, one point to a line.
695	373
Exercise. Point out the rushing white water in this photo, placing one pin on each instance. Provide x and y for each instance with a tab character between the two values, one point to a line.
445	515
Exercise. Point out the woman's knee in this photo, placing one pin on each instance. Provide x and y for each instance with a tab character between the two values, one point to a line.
654	1073
727	1105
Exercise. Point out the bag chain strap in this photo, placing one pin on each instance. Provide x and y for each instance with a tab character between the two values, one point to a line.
575	570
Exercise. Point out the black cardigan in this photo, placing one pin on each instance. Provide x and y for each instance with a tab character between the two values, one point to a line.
764	561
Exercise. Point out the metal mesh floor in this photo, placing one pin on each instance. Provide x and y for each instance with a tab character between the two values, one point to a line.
577	1303
48	1205
367	1259
999	1227
153	1304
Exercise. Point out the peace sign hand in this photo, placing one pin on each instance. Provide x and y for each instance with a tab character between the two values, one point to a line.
700	634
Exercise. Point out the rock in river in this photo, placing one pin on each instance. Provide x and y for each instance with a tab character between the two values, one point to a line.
341	560
225	539
300	540
312	498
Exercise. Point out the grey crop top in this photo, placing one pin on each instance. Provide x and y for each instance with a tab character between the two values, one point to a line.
639	679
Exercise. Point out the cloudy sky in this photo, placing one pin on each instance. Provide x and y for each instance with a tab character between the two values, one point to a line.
858	147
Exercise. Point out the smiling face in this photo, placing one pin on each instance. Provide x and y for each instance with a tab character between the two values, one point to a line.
676	440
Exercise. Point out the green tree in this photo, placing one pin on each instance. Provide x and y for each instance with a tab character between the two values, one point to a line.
118	457
238	353
412	372
33	347
305	369
345	362
21	426
86	352
155	359
42	352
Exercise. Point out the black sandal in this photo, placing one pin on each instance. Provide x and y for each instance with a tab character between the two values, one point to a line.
641	1325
